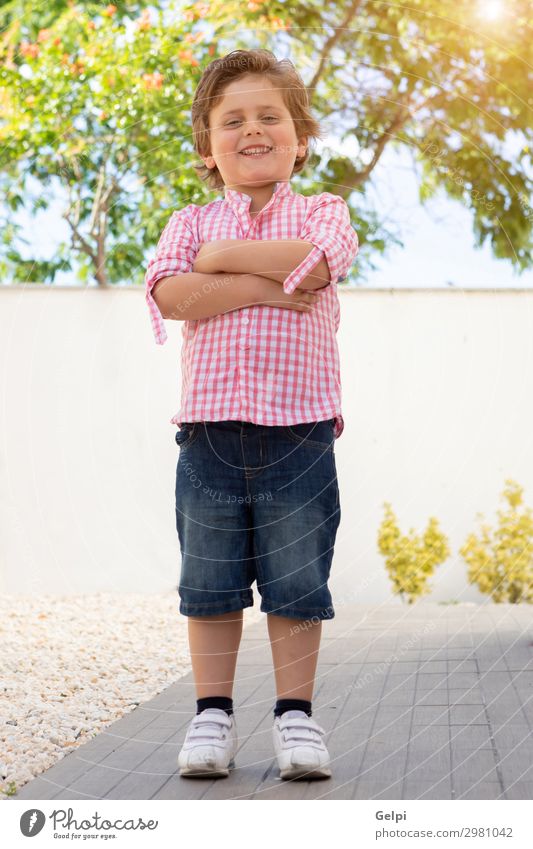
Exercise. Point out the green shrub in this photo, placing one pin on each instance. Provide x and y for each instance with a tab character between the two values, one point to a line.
502	566
411	560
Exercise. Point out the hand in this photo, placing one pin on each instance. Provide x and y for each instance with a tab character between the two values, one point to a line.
203	262
271	294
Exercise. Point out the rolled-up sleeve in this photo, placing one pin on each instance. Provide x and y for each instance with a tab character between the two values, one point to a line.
175	254
329	228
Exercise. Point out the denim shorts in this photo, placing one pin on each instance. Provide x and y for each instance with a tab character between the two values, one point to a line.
256	503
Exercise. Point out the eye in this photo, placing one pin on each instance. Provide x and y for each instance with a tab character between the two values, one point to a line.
237	121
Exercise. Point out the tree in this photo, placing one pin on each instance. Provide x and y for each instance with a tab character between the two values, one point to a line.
96	117
96	105
37	17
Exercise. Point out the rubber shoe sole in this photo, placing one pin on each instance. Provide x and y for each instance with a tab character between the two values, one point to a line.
306	773
207	770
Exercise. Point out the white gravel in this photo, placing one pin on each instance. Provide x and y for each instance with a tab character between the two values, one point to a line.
71	665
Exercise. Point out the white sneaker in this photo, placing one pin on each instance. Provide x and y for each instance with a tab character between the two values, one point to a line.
300	750
210	745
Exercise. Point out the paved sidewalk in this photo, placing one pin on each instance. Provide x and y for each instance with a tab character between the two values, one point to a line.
425	701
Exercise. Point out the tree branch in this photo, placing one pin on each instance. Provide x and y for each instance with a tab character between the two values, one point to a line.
398	121
96	201
332	40
102	230
77	235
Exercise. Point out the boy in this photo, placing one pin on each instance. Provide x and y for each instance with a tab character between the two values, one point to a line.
254	277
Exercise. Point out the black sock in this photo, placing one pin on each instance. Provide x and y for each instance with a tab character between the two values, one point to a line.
223	702
292	704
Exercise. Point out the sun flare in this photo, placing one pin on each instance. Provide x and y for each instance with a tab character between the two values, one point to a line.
491	10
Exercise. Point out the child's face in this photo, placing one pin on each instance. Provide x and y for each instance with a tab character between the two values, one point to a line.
258	117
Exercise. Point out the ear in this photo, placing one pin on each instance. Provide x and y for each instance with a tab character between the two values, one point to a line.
302	147
208	161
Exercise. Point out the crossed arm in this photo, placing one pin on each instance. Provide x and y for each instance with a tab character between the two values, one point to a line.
274	259
203	293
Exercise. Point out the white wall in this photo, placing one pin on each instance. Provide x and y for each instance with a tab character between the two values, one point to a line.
437	401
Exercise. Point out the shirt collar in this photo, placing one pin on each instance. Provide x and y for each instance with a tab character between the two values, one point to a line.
240	201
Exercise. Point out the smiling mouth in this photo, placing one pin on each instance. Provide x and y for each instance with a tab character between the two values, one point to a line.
255	155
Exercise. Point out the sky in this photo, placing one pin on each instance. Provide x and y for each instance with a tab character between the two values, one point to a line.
438	242
439	247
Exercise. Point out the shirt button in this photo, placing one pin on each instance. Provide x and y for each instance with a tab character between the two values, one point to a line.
245	320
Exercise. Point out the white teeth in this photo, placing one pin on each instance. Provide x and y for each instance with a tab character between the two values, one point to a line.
255	151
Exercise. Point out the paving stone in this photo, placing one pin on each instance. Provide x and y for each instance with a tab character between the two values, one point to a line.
448	717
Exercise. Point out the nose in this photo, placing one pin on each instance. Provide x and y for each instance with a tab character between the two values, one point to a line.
250	125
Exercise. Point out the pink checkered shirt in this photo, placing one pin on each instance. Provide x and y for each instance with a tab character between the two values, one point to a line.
267	365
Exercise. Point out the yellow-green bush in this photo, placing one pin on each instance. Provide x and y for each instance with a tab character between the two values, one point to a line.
502	566
411	560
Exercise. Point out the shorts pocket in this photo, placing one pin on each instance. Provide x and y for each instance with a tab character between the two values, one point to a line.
319	435
187	434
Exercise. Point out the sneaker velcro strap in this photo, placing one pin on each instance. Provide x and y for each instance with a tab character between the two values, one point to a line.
203	736
309	724
208	727
309	738
211	719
